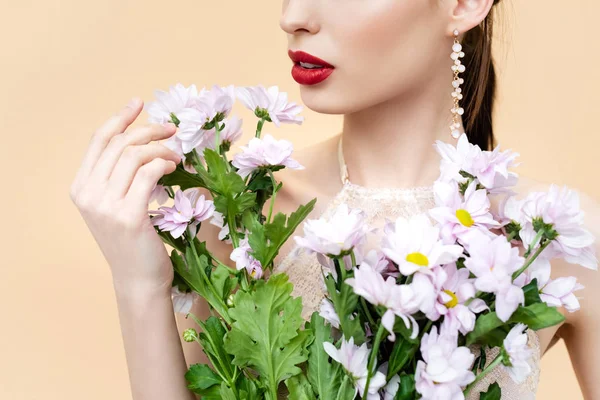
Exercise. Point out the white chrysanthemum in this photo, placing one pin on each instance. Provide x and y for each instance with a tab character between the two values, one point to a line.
340	234
174	101
415	245
272	101
354	360
519	354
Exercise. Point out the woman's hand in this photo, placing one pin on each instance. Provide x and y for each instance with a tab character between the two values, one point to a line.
112	189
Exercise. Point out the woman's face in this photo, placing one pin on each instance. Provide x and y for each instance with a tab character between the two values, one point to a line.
380	49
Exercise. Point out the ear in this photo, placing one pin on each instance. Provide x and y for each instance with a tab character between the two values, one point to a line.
467	14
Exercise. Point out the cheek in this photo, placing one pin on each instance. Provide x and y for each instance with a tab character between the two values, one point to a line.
389	43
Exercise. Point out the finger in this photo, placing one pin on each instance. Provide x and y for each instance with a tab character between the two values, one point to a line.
133	158
145	180
137	136
114	125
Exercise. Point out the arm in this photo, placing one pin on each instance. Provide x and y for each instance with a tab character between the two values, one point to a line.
153	350
111	191
581	330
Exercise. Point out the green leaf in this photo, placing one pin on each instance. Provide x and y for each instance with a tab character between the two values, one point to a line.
538	316
230	205
323	376
265	333
247	389
345	303
484	325
222	281
200	377
226	392
532	293
402	352
182	178
407	388
495	337
493	393
221	181
266	240
300	389
211	337
345	391
193	272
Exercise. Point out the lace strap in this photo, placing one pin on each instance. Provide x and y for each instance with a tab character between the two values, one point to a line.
342	162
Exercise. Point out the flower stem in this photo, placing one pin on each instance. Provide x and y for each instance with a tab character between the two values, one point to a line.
363	304
217	137
536	239
483	373
259	127
232	230
342	386
353	257
274	182
222	307
373	357
530	260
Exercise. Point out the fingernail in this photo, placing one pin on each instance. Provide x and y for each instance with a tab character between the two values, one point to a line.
169	125
133	102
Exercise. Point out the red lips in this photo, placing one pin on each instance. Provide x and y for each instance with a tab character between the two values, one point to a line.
309	76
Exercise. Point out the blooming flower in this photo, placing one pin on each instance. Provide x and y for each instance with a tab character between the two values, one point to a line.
559	293
244	260
219	99
490	168
493	261
218	220
455	288
190	209
517	357
559	209
400	300
232	130
390	390
328	313
378	261
354	360
191	131
160	194
265	152
270	102
174	101
415	245
176	144
337	236
182	301
445	368
458	218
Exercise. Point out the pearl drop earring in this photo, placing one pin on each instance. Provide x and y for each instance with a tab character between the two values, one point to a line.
457	68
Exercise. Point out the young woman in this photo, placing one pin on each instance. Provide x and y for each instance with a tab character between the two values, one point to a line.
384	65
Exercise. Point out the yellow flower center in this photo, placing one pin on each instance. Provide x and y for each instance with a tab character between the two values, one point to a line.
453	301
465	218
418	258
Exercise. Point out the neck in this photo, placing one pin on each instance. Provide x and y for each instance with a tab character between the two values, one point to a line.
391	143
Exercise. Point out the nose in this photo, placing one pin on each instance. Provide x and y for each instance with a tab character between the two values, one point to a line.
299	16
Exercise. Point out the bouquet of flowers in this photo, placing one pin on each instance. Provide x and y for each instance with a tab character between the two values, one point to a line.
410	320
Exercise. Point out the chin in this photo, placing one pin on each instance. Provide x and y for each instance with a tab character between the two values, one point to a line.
327	100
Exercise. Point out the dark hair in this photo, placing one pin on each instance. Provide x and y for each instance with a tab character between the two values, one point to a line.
479	88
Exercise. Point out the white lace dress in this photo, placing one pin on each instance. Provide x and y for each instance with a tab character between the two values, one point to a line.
305	271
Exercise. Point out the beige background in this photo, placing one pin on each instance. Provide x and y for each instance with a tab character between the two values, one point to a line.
67	65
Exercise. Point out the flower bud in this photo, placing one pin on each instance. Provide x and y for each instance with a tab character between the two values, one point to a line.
230	301
190	335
